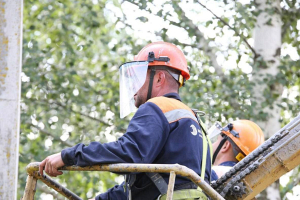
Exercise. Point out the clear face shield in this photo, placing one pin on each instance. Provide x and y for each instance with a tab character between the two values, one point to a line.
214	132
132	78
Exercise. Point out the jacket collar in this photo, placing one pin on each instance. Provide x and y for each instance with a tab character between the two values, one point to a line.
173	95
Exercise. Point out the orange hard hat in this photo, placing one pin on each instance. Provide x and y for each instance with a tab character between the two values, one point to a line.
164	49
246	134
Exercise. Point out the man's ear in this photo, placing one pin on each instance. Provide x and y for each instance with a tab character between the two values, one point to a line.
226	147
160	78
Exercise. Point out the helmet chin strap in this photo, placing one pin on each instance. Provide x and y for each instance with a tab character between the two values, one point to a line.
218	149
152	73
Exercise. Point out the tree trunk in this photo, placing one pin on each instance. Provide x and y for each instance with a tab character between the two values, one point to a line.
267	44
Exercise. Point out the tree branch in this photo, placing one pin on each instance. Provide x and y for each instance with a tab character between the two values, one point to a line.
80	113
50	134
88	116
290	185
175	41
290	12
76	112
73	111
203	44
285	27
232	28
48	191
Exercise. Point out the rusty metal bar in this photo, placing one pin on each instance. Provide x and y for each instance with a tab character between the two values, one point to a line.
30	188
171	185
53	184
125	167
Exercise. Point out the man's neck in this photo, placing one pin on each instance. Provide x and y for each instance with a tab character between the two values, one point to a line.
224	158
163	92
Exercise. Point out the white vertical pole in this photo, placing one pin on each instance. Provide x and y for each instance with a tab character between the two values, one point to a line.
267	43
11	12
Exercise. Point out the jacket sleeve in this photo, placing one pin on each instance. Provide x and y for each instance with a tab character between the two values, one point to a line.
117	192
146	135
214	176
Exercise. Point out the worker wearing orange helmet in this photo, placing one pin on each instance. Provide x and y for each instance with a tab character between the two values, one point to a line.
163	130
232	143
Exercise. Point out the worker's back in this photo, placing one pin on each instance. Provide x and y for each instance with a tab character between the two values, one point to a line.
182	144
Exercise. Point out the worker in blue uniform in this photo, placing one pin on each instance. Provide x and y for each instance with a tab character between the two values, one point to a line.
232	143
163	130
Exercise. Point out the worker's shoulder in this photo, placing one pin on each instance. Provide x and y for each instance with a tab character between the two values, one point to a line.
168	104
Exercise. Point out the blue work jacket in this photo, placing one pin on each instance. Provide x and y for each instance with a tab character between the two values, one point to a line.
163	131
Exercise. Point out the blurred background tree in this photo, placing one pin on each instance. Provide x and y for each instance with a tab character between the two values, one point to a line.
243	58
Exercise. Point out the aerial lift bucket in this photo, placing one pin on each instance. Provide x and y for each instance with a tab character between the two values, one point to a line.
173	169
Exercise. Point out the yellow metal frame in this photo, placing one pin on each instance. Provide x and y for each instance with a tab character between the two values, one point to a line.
173	169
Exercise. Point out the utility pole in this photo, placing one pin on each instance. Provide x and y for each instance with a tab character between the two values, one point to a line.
11	15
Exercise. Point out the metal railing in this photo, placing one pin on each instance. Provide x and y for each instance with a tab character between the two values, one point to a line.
173	169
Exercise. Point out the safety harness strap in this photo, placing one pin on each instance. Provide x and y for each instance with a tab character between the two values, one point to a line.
186	194
210	148
159	182
206	144
129	181
152	73
204	156
208	140
218	149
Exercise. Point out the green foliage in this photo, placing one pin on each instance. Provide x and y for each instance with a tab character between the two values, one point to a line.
71	54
